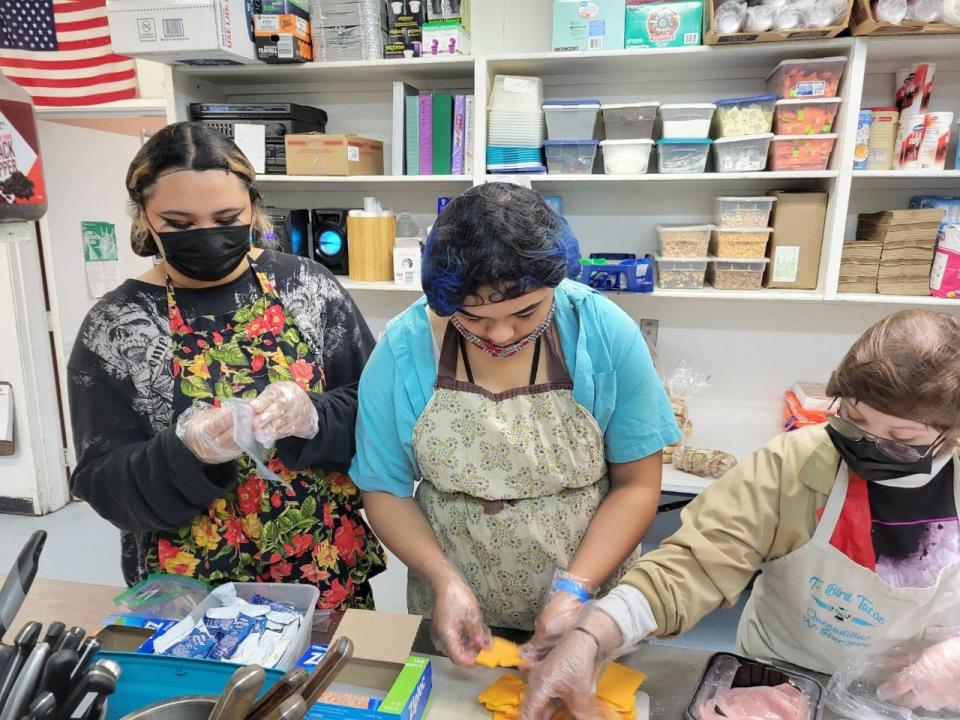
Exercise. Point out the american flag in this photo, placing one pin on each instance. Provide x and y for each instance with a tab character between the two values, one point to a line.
60	52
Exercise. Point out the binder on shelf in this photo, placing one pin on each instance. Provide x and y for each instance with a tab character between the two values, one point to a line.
426	134
412	135
459	133
401	91
442	134
469	135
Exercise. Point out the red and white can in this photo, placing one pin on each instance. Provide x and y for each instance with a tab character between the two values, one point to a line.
909	140
936	139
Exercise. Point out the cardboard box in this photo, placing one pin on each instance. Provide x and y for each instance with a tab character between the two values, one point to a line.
300	8
863	22
201	32
282	38
593	25
321	154
712	37
668	24
797	240
445	38
397	683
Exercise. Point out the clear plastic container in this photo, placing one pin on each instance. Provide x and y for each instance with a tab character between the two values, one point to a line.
742	212
736	274
805	116
572	119
726	672
740	243
681	273
818	77
573	157
626	157
801	152
513	93
741	154
629	121
682	155
687	121
737	117
684	241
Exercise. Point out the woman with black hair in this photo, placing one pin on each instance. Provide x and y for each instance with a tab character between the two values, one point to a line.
529	408
160	358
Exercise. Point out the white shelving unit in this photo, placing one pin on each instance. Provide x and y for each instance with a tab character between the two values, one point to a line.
755	344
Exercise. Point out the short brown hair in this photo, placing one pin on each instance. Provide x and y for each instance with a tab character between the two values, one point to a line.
185	146
907	365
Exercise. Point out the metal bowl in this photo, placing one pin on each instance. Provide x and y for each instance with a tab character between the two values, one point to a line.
188	707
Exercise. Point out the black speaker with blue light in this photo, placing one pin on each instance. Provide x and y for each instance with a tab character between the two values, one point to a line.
330	240
291	229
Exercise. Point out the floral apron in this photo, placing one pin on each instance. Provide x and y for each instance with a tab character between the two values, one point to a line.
511	481
309	532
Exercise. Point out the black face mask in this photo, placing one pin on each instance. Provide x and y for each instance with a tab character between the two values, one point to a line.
865	459
206	253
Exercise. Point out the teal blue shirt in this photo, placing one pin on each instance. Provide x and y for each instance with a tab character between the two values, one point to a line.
613	378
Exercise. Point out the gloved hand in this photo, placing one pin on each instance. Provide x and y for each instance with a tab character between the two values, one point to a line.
569	674
208	432
283	410
568	593
932	682
457	627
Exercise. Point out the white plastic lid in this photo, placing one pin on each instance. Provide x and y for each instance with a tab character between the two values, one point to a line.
682	228
743	138
804	61
623	106
759	198
605	143
671	260
747	230
811	101
822	136
688	106
740	261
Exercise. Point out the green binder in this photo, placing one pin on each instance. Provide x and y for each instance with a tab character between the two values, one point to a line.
442	134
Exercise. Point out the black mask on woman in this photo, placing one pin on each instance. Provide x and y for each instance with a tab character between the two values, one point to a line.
206	253
865	459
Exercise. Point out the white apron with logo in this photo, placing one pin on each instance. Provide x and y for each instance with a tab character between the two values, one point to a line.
815	607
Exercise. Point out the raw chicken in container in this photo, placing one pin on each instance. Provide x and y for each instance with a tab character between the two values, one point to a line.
781	702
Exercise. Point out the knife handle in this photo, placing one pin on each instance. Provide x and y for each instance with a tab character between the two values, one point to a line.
56	674
18	582
71	639
54	633
284	688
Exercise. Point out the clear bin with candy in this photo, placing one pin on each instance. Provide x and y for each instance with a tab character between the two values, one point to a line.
737	117
819	77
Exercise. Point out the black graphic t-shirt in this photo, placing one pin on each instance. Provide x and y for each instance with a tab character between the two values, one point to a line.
915	530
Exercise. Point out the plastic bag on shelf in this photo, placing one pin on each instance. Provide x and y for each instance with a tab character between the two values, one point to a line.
917	680
682	384
168	597
705	463
825	13
890	11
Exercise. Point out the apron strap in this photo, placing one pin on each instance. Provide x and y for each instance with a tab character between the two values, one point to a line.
557	371
834	506
449	352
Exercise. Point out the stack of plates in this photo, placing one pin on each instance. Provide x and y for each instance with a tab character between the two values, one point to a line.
515	127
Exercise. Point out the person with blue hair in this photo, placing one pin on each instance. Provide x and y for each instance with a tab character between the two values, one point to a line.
528	408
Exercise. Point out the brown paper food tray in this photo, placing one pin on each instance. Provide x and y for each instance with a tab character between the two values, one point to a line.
862	22
712	37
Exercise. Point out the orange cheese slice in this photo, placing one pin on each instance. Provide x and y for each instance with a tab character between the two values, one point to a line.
502	653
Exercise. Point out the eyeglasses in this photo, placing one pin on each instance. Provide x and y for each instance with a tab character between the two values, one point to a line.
897	451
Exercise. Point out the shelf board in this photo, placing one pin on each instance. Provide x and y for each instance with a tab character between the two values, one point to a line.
875	179
681	483
447	68
295	182
883	52
357	285
680	177
138	107
871	299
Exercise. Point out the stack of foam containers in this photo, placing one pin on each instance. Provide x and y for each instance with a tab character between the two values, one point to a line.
515	131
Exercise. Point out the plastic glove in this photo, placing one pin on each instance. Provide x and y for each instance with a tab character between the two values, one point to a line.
457	627
568	593
569	674
208	432
932	682
283	410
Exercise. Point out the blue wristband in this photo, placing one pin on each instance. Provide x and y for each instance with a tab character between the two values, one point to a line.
573	588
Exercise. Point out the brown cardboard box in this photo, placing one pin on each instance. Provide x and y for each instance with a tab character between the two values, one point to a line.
320	154
863	22
712	37
797	240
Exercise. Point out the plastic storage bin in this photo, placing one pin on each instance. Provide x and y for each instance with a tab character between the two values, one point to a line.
629	121
683	155
626	157
742	212
738	243
687	121
572	119
801	152
741	154
513	93
726	671
805	116
681	273
736	274
684	241
737	117
575	157
819	77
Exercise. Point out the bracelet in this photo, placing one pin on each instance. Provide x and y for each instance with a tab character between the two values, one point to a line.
589	635
572	587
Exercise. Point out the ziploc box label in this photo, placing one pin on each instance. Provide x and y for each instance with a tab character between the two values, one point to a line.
671	24
590	25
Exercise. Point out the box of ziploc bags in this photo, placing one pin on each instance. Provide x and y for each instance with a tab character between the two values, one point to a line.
383	681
